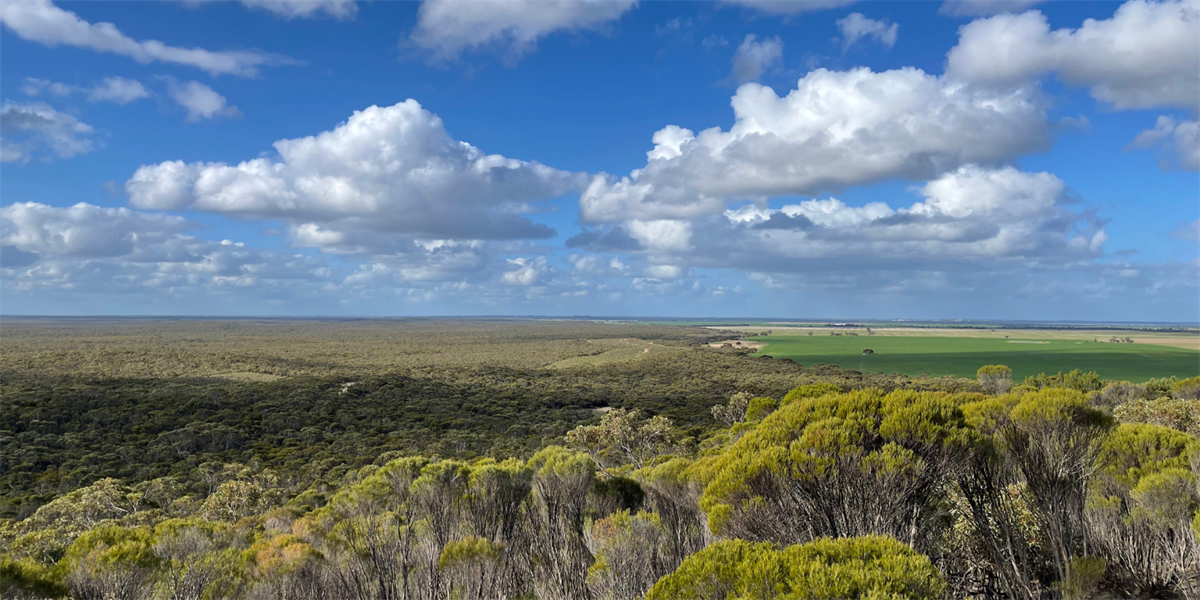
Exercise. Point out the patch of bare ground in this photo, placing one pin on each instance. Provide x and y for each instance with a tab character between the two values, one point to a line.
625	350
738	344
1191	341
247	376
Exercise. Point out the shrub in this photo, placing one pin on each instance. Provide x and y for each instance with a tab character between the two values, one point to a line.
837	465
631	554
995	379
1182	415
1074	380
1188	389
845	568
1141	506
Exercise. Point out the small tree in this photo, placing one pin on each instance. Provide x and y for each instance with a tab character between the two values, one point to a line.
1116	394
995	379
624	437
734	411
630	552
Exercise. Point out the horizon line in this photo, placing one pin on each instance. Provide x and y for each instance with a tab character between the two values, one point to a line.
609	318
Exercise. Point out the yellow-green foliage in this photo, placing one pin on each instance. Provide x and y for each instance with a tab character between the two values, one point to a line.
1052	405
1083	578
986	413
621	538
282	554
1135	450
1145	472
109	545
471	549
26	577
994	371
815	390
673	471
1076	380
1143	501
844	568
811	437
760	408
995	379
556	461
1180	414
1186	389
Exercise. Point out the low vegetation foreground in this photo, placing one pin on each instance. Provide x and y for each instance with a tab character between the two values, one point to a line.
462	459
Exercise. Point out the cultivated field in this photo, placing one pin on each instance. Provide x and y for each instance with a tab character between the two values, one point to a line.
961	352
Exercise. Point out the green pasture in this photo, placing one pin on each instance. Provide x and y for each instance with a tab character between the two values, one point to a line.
962	356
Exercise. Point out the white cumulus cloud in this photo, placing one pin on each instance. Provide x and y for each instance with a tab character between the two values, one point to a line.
390	169
754	57
970	214
33	86
983	8
969	221
835	130
112	89
448	27
85	248
1179	141
200	101
42	22
855	27
299	9
117	89
83	230
790	7
527	271
29	130
1145	56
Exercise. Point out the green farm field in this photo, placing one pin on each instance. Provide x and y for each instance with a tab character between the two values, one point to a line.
962	356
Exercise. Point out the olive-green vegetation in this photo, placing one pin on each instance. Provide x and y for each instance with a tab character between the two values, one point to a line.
864	567
962	356
139	400
290	348
697	472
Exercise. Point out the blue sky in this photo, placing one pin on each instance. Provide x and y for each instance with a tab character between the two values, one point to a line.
823	158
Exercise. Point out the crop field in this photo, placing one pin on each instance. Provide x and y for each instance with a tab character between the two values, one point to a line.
1026	352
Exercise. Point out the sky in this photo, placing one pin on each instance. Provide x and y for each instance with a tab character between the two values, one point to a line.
970	159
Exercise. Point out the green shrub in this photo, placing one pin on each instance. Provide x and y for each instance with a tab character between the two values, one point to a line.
858	463
843	568
1182	415
760	407
1142	502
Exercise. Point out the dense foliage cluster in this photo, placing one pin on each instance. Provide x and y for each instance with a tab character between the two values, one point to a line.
709	473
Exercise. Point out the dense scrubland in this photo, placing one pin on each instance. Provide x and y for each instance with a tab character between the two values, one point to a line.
488	459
